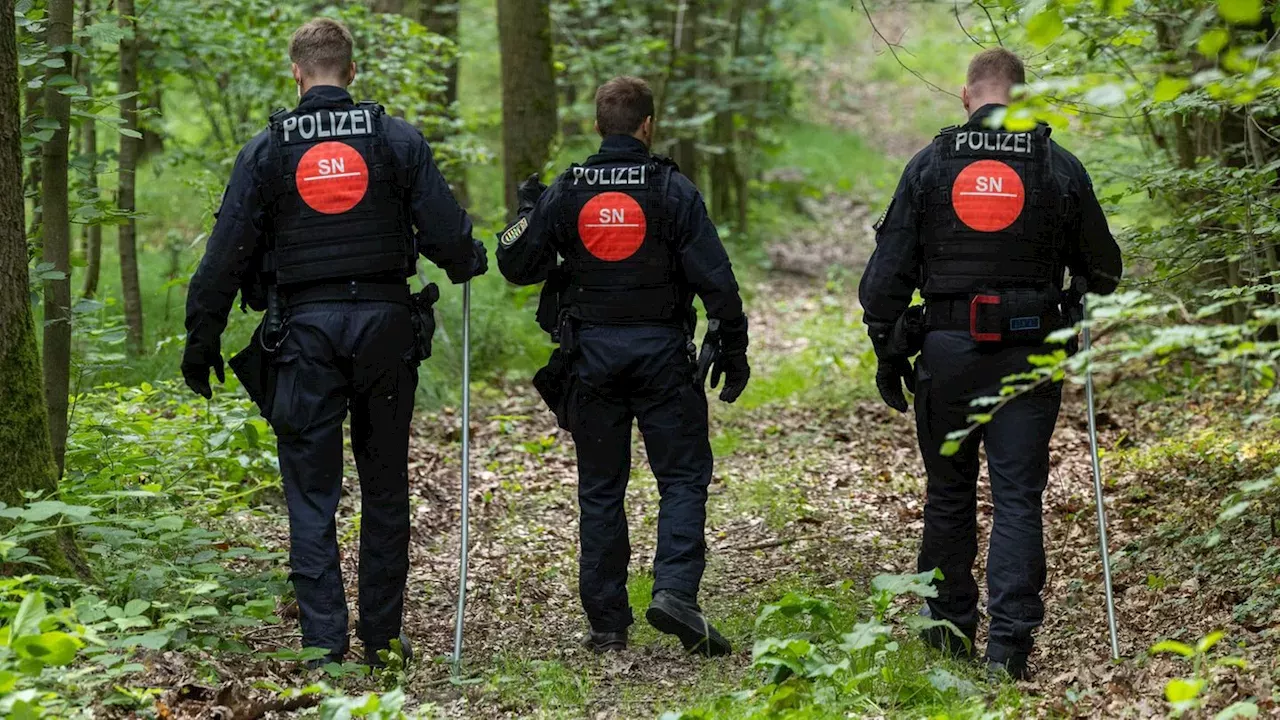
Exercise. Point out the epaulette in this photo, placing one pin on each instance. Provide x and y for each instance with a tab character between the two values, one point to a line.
665	161
279	113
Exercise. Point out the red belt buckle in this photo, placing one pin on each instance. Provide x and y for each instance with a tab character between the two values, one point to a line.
974	308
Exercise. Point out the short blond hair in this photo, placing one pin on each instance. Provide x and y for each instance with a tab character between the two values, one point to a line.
322	47
996	68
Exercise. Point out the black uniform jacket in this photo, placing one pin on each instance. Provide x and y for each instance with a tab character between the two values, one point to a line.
894	271
526	258
444	232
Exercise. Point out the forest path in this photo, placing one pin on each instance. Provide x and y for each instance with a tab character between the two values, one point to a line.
805	495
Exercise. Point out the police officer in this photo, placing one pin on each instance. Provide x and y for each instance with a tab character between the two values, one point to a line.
324	205
637	245
984	222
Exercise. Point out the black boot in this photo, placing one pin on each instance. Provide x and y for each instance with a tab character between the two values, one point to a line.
944	640
318	663
605	642
1012	666
683	618
371	653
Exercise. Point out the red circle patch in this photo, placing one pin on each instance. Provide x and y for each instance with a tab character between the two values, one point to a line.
988	196
612	226
332	178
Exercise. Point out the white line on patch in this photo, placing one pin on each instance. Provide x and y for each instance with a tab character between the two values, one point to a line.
332	177
991	194
613	225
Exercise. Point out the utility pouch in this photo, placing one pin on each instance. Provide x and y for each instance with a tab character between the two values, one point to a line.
1073	310
549	302
422	315
1013	317
252	366
553	383
274	328
907	338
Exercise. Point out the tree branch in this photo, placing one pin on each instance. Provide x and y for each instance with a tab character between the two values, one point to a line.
893	48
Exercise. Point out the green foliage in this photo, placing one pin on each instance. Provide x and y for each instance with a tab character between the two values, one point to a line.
832	664
137	481
32	641
1185	693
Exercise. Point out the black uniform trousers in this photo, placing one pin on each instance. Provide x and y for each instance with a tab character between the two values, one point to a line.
341	357
644	373
954	370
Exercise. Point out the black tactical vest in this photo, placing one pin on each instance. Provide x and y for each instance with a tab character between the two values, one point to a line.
619	252
337	201
992	213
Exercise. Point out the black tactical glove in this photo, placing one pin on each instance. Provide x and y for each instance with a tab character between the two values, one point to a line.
891	375
482	260
529	192
736	371
895	345
731	360
197	363
479	266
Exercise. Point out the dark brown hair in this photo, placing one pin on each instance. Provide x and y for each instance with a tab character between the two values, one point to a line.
996	68
322	47
622	104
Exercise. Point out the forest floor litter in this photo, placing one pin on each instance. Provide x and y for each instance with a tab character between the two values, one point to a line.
803	498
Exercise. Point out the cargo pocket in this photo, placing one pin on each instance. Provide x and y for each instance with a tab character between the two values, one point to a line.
282	395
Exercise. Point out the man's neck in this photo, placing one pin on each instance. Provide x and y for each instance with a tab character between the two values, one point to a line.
978	103
331	82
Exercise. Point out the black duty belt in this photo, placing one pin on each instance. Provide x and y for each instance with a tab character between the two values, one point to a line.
1010	316
953	314
352	291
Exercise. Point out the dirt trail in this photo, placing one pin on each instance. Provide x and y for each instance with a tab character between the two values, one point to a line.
808	498
803	497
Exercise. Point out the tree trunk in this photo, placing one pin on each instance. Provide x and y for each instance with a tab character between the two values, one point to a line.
441	18
27	461
33	110
89	134
152	138
57	238
128	169
686	151
528	90
724	167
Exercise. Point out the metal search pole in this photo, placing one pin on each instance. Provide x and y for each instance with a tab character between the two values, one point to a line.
464	548
1097	488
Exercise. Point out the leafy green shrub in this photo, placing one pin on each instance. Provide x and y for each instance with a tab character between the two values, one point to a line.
32	641
145	467
1185	693
832	664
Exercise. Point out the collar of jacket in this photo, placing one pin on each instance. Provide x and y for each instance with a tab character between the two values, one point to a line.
324	96
623	144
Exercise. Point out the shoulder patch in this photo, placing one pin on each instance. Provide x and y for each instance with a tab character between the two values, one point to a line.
513	233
